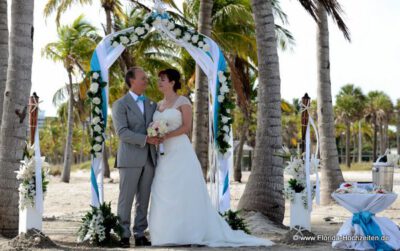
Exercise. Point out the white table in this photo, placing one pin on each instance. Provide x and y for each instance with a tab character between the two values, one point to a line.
373	203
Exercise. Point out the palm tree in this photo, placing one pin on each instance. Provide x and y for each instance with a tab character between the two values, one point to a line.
4	51
349	102
233	29
14	126
200	119
266	179
376	111
75	46
331	175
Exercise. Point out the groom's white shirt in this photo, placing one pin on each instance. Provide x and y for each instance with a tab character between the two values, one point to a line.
139	103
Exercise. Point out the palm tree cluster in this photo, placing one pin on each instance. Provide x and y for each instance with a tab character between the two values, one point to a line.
248	34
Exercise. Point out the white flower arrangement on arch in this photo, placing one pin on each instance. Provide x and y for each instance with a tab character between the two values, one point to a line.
97	123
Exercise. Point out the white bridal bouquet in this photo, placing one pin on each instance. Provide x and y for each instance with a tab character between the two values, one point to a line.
158	129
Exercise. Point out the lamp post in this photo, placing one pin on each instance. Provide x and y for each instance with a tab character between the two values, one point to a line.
305	100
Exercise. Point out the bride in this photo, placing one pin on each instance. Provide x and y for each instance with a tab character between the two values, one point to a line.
181	212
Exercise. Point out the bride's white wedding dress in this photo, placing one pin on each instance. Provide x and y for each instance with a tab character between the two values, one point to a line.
181	212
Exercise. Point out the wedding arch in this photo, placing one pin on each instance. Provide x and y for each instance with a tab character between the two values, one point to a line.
208	56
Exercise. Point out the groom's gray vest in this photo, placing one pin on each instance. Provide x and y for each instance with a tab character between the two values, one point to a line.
131	127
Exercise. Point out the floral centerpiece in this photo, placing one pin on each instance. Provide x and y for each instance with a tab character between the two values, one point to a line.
347	188
297	183
26	174
100	226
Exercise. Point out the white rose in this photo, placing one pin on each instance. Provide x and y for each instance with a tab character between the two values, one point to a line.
139	31
97	110
171	26
95	75
96	120
221	98
133	38
98	155
200	44
94	87
115	44
225	128
186	37
228	111
227	138
124	40
99	139
97	147
97	128
224	119
222	79
147	26
96	101
195	38
177	32
224	89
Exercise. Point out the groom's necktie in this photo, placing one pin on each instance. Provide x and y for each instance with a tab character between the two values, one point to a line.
142	98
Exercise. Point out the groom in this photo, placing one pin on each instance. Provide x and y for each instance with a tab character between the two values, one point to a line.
136	157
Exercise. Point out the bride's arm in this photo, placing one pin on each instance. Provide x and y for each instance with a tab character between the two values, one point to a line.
186	111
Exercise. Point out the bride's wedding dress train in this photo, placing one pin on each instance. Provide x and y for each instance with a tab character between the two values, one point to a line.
181	212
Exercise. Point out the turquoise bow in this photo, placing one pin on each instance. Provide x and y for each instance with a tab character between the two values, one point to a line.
140	98
370	228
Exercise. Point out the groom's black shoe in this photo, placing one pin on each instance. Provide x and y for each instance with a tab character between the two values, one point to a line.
124	243
142	241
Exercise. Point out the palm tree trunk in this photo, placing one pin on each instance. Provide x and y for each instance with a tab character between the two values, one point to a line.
386	134
200	120
381	140
105	162
263	192
3	51
82	142
14	127
354	155
398	131
375	150
108	21
68	146
331	175
348	135
360	148
237	175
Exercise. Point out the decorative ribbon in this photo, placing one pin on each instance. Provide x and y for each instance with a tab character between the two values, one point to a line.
370	228
311	160
38	163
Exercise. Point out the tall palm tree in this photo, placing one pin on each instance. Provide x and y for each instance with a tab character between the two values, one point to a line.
3	51
376	111
15	114
349	102
233	29
200	119
267	171
75	46
266	179
331	175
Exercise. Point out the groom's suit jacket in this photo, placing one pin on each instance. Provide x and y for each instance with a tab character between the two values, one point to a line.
131	127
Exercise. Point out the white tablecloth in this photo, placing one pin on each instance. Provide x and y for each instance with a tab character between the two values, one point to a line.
373	203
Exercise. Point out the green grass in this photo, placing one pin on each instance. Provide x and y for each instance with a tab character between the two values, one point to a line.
57	169
363	166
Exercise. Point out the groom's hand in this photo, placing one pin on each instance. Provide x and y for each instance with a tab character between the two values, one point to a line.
152	140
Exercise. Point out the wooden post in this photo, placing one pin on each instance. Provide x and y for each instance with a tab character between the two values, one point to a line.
304	121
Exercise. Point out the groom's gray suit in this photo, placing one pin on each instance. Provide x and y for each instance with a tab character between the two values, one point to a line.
136	161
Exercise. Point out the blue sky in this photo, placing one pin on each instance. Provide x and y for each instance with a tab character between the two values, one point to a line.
370	61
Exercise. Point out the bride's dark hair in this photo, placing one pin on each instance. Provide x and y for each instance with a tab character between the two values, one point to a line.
172	75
